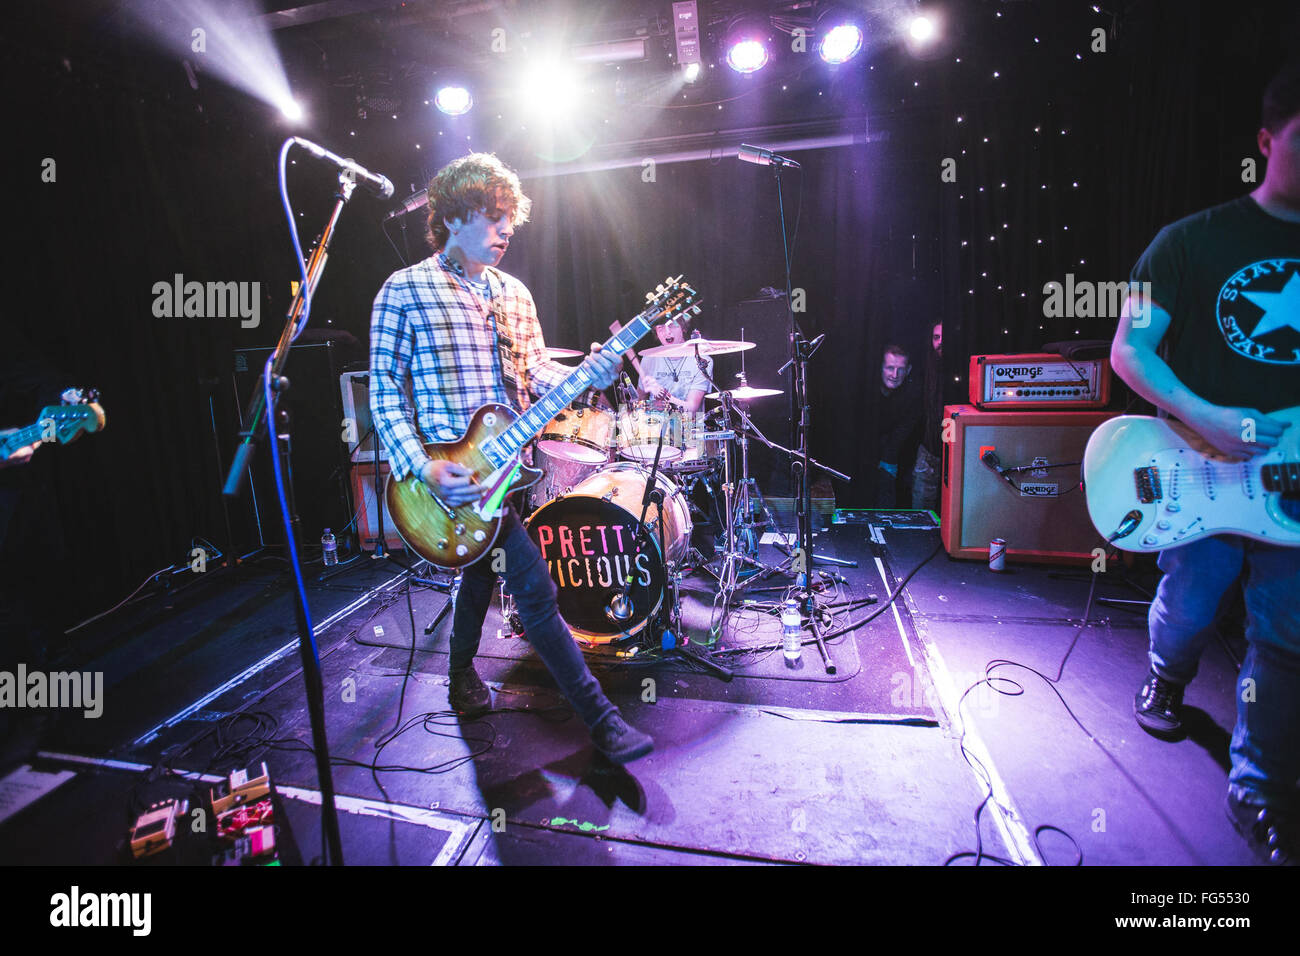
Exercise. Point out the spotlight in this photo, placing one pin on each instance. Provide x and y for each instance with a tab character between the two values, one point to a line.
921	29
291	110
692	71
746	43
840	43
550	90
453	100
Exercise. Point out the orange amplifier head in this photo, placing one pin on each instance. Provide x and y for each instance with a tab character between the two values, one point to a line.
1038	381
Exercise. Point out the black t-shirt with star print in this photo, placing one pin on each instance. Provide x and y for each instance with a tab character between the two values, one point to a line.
1230	278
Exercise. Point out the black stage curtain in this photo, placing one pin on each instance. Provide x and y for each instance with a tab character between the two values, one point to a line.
155	179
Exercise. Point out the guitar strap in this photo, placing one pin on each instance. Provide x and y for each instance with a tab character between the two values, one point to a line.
509	352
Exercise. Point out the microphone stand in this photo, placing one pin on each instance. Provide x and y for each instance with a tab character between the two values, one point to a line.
800	352
258	424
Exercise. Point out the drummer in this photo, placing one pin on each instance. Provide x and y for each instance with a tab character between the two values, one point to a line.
676	382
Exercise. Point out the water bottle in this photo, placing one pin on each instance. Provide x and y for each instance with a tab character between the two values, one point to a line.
791	632
329	548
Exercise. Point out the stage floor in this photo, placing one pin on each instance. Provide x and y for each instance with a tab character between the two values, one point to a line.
877	763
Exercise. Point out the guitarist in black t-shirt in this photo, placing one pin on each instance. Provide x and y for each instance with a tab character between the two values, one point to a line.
1218	347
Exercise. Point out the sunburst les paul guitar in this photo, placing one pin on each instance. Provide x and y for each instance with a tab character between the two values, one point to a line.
80	412
455	537
1161	485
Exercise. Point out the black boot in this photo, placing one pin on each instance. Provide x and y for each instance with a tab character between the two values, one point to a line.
1158	705
467	693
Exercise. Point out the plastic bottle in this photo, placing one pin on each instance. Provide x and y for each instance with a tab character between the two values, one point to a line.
329	548
791	632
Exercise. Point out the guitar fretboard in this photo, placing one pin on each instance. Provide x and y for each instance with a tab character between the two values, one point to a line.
20	439
506	445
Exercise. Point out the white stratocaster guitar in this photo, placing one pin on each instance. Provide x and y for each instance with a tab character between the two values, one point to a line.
1155	484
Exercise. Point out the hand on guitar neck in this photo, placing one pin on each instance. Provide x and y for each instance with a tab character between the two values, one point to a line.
19	456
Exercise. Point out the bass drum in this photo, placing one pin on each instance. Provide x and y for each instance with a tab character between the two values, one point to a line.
586	540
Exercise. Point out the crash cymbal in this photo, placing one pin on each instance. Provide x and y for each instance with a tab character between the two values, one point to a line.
689	347
745	393
562	353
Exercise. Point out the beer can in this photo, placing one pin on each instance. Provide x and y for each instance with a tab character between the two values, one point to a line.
998	554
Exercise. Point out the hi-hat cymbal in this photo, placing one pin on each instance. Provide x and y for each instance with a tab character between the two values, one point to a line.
689	347
746	392
562	353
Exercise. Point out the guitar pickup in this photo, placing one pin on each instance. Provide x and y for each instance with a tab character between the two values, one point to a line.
1148	484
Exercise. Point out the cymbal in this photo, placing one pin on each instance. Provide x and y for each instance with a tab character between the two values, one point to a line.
746	392
687	348
562	353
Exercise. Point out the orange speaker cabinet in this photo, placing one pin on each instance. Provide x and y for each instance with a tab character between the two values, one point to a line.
1044	518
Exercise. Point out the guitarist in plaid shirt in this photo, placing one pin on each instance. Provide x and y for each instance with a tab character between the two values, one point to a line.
447	335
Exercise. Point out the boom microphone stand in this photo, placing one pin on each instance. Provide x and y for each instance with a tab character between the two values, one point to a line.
259	422
801	350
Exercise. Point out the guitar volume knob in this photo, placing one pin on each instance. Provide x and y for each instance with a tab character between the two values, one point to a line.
480	535
442	544
461	550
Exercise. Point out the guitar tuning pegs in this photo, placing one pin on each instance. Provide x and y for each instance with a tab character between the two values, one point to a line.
649	296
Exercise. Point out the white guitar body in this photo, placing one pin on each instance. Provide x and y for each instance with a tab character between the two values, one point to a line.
1185	489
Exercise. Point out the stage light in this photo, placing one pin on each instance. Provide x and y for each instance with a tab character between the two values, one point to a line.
747	56
692	71
291	110
840	43
746	43
453	100
550	90
921	29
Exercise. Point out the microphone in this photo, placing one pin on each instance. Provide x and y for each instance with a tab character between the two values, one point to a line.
377	184
764	157
410	204
628	390
991	461
619	608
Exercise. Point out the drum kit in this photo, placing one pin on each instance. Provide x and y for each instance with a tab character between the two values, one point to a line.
597	460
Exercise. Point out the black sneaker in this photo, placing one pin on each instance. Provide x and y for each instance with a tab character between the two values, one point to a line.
467	693
619	741
1158	705
1273	835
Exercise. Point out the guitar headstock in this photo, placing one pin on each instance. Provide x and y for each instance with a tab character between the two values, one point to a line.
672	299
80	412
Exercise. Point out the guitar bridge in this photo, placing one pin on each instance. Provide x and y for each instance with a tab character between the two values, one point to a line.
1148	484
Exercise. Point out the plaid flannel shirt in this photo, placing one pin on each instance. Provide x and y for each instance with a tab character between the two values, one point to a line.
439	349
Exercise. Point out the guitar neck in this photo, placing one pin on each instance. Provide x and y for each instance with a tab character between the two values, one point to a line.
557	399
20	439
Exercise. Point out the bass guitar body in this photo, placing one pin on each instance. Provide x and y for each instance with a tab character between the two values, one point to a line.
455	537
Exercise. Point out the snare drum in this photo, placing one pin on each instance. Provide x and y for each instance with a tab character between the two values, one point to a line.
639	427
586	538
582	432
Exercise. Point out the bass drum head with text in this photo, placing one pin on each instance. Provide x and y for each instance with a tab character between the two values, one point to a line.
586	539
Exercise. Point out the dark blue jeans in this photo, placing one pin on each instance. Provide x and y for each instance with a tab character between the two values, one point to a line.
1266	741
530	582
